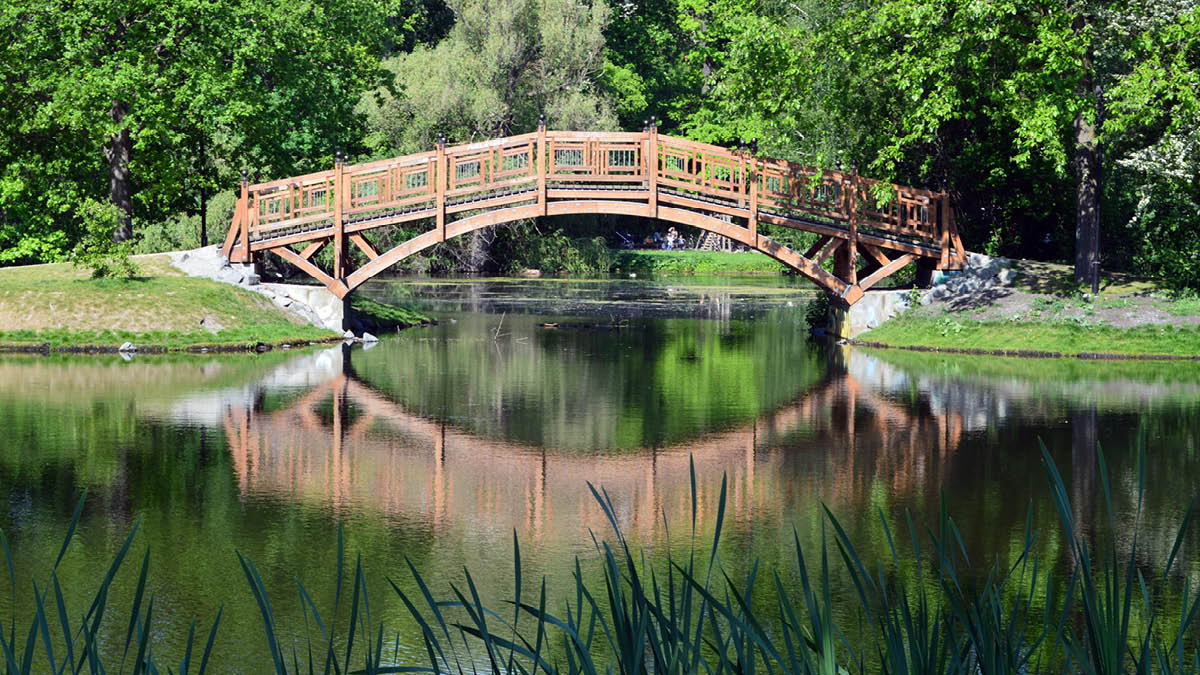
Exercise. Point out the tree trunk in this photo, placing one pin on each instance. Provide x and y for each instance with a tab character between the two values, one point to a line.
203	217
203	197
1087	172
120	188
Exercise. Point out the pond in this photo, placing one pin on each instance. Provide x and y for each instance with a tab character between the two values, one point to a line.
439	445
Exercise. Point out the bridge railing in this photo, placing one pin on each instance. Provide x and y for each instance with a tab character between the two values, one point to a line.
544	166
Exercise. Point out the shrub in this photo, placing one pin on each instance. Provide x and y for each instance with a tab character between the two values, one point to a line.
96	249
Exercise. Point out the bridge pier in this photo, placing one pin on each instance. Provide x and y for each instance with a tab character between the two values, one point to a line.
250	272
874	308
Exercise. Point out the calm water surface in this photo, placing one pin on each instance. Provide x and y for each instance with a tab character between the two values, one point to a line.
439	443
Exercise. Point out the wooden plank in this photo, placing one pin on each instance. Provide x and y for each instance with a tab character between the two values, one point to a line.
440	190
876	254
753	183
704	222
341	198
591	206
364	246
886	271
335	286
490	203
540	163
827	250
415	245
288	240
650	157
817	246
706	206
245	219
803	265
567	193
235	228
311	250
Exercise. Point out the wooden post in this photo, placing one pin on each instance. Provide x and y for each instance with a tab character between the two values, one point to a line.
752	181
541	164
245	203
652	165
851	272
442	180
339	226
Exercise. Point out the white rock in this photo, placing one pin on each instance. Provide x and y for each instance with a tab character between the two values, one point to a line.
1006	276
367	337
349	334
127	347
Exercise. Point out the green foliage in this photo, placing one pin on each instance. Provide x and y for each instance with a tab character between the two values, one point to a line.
659	263
525	246
97	250
202	89
501	66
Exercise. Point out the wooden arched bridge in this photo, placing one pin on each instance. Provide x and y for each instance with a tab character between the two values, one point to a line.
548	173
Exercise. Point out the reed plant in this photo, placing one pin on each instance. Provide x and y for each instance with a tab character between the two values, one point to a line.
927	609
57	643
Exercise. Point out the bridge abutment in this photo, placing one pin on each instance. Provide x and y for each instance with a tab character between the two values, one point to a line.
874	308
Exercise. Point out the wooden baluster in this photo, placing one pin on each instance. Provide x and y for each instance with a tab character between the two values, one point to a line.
541	160
652	164
245	204
340	199
442	180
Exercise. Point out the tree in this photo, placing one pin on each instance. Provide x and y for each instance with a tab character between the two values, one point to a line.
154	91
502	65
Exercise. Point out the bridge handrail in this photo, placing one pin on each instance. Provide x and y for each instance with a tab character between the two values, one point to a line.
544	165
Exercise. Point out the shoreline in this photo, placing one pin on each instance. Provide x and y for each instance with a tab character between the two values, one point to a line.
1025	353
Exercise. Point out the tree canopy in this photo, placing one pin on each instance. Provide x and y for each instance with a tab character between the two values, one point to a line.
1047	122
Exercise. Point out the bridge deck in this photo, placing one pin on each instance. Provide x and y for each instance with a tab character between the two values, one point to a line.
730	192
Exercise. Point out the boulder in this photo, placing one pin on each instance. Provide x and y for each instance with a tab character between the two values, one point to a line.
367	337
127	347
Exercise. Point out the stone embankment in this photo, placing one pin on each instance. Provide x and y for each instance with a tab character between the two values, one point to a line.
313	304
981	275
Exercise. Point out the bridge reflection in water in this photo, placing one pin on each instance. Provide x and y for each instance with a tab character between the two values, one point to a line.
345	444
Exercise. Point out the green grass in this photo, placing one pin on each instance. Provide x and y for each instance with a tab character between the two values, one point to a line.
695	263
1068	338
1183	306
61	305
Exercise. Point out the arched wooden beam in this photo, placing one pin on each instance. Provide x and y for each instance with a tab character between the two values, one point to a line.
743	235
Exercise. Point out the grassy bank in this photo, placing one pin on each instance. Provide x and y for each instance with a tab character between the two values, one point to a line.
1043	312
694	263
1049	337
62	306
